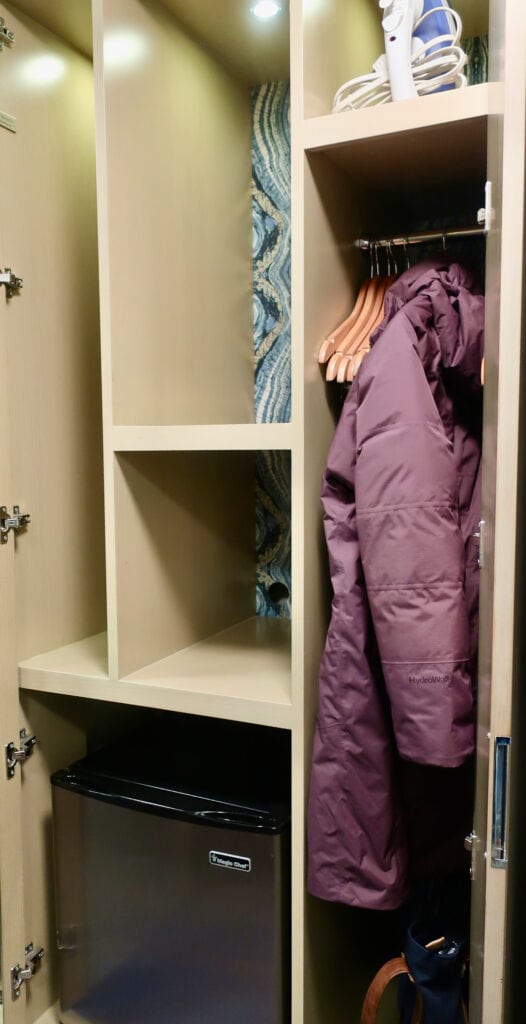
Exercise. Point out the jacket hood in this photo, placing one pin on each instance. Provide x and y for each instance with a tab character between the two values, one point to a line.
446	299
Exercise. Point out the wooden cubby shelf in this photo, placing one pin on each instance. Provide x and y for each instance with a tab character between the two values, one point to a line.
205	437
414	138
242	673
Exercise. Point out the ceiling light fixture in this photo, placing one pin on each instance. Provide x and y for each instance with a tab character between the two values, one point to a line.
266	9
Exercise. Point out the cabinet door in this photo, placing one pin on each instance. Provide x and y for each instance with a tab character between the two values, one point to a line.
499	594
49	452
11	857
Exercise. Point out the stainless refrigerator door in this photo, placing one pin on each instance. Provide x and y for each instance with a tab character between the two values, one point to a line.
165	920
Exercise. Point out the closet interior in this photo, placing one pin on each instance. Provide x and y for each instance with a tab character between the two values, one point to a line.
164	431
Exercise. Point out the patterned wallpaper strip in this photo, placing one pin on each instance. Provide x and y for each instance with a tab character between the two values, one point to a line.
273	534
271	250
476	50
271	265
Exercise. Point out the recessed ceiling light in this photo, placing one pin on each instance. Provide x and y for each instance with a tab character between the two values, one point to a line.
266	8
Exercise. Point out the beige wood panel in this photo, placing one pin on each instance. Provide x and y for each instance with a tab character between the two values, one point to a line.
176	150
489	455
50	1016
424	112
510	313
422	141
12	932
105	331
256	51
334	269
200	437
52	336
344	39
84	660
333	272
341	40
60	730
65	728
242	673
299	568
474	14
70	19
185	550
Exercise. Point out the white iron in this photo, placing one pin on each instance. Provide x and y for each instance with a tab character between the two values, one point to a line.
423	55
398	21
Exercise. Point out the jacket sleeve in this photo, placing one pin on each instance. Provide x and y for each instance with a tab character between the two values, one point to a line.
412	550
357	852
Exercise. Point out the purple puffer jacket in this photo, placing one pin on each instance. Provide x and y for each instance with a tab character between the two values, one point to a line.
401	499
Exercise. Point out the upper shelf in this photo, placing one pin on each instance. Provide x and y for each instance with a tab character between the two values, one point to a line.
249	437
242	673
418	140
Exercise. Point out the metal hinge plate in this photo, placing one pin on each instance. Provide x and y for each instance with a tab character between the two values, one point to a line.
18	521
471	844
21	974
480	535
6	36
12	282
17	755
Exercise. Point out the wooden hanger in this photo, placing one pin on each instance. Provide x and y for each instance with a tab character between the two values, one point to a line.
369	298
335	345
348	366
330	345
354	364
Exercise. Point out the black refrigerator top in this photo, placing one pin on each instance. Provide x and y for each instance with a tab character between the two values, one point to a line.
205	770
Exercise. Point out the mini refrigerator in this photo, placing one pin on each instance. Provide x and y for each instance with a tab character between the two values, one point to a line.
172	877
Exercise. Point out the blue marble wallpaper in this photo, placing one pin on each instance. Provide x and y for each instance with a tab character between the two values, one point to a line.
273	534
271	249
271	267
476	50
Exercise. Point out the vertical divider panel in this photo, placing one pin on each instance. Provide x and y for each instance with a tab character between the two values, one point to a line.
105	329
509	286
185	549
298	1012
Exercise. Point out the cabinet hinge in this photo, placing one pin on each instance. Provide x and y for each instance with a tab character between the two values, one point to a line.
12	282
21	974
6	36
17	755
18	521
471	843
486	214
480	535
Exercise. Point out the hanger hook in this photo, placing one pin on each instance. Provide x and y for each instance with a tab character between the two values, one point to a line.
371	267
377	258
406	254
444	246
392	257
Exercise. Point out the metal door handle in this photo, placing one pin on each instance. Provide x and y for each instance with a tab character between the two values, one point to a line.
499	831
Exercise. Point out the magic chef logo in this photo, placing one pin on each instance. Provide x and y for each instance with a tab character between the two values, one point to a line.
229	860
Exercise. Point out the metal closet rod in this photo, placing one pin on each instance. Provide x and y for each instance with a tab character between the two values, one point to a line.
416	239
